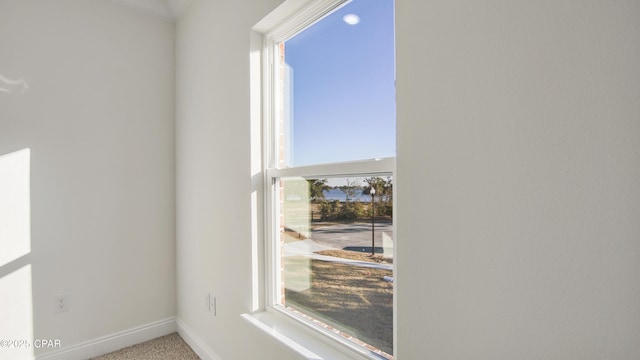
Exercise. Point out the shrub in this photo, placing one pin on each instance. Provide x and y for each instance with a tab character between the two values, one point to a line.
329	209
351	211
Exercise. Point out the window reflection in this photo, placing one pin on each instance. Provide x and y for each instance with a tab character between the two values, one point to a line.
337	255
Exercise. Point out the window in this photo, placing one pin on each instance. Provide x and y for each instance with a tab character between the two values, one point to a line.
329	164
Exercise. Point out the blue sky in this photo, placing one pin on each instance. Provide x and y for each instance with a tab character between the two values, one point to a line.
344	86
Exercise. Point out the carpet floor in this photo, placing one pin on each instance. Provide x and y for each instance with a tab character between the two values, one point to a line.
168	347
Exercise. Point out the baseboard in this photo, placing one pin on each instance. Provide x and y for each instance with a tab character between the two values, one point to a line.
113	342
196	343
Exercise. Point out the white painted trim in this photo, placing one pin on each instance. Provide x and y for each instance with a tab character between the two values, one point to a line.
113	342
311	13
361	168
282	338
303	339
197	344
290	9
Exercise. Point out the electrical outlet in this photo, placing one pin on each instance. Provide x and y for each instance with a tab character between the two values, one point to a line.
61	303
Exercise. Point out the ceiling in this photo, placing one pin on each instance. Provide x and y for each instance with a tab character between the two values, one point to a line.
165	9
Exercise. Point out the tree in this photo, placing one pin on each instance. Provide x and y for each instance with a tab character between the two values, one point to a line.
351	189
388	190
376	183
317	187
383	192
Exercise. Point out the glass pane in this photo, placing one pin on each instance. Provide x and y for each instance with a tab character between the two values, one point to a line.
337	256
337	95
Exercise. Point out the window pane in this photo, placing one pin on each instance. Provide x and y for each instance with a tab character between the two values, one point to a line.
337	256
338	87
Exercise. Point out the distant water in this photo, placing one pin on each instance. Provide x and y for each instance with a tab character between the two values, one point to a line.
337	194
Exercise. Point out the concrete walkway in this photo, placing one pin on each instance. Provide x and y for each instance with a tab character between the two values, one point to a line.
308	248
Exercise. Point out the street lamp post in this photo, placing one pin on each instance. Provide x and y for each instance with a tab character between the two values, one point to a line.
373	226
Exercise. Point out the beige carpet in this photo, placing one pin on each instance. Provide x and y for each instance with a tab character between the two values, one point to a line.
169	347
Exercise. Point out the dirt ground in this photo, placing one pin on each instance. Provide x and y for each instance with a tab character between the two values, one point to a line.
352	299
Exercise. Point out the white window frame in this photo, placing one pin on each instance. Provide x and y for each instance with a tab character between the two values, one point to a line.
312	12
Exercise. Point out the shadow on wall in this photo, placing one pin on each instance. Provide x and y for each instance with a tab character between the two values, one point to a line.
13	86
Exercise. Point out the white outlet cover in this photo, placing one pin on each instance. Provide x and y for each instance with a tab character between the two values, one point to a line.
61	303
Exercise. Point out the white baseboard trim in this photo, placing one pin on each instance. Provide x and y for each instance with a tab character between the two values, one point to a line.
113	342
196	342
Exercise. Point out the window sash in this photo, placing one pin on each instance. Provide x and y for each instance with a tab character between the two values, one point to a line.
301	20
372	167
365	168
376	167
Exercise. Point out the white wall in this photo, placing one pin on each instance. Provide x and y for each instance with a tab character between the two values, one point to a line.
214	176
98	118
518	179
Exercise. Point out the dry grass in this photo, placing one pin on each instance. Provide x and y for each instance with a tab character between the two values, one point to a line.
291	236
352	299
353	255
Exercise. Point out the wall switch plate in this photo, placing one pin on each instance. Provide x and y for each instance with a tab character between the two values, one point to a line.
212	304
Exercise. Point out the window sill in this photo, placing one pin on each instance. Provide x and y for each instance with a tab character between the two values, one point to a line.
302	339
